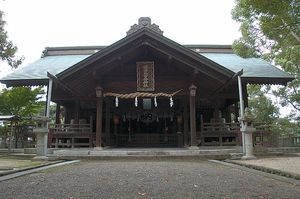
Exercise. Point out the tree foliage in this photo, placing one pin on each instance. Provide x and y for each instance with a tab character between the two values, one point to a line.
261	106
7	48
284	126
21	101
271	30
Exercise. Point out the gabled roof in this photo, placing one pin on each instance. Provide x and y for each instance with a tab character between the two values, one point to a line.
147	37
64	61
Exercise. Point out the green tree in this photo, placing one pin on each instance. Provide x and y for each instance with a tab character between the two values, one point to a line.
21	101
7	48
271	30
261	106
284	126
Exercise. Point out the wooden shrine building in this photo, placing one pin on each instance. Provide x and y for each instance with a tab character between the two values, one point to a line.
145	90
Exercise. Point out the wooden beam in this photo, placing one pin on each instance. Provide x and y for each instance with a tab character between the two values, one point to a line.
187	64
62	84
234	77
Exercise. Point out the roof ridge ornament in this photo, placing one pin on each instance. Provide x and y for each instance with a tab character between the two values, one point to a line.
144	22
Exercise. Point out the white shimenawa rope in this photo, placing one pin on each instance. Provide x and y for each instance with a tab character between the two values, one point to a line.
117	102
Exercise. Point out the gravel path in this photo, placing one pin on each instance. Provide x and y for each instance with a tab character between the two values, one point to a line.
148	179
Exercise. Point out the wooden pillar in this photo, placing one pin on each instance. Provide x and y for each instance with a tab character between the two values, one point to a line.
186	122
57	114
107	122
192	89
201	131
99	116
77	111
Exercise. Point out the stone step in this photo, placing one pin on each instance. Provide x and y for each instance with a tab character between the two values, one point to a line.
142	152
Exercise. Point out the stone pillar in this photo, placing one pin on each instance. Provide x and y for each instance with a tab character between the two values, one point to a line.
41	143
192	89
99	96
247	130
42	137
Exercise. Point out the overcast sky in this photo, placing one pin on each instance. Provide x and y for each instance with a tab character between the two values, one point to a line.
35	24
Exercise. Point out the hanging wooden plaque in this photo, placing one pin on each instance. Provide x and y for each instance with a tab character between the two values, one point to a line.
145	76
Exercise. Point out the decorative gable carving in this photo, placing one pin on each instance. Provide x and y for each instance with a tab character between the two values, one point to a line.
144	22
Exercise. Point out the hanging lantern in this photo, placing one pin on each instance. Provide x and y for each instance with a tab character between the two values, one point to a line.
136	102
179	119
116	119
117	101
155	102
171	102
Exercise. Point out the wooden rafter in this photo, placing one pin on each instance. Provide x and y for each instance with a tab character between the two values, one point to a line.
62	84
227	83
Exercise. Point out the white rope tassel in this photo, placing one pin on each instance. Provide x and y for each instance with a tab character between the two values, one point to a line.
117	101
171	102
155	102
136	102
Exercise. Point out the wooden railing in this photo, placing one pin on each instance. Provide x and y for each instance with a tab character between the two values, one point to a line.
211	127
218	134
228	133
71	128
71	135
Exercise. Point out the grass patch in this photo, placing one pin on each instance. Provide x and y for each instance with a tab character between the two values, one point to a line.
18	164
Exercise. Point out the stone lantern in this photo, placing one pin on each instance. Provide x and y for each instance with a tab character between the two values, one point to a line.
247	130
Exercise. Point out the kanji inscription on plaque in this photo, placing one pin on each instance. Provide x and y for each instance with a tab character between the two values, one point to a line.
145	76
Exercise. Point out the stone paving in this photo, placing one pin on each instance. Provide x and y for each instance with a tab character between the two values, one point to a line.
285	164
146	179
